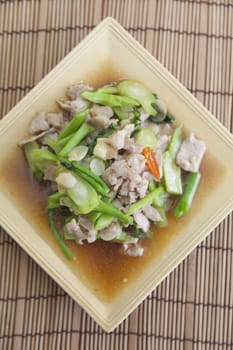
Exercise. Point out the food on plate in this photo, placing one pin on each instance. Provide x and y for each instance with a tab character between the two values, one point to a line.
116	162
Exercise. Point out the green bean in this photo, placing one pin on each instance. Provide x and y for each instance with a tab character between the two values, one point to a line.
66	250
77	137
183	205
110	209
133	208
74	124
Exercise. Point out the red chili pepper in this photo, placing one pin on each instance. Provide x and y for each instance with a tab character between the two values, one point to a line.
151	162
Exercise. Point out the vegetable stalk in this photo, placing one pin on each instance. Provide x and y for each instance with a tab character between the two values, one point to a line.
133	208
183	205
77	137
110	209
66	250
74	124
95	181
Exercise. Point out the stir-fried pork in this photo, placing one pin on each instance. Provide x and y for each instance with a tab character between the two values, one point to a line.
39	123
73	227
111	232
133	249
191	153
141	221
75	90
101	116
151	213
73	106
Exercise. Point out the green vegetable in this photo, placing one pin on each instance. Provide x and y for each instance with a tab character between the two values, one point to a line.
175	142
66	250
63	142
158	201
93	216
103	221
172	175
164	221
191	184
146	138
35	169
83	195
74	124
95	181
43	158
38	159
54	200
110	209
68	203
53	144
123	237
69	236
77	137
140	93
123	112
107	90
169	119
152	185
133	208
108	99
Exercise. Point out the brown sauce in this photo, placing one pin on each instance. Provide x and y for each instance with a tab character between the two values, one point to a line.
100	265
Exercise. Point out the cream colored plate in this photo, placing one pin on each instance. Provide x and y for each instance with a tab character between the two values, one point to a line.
109	45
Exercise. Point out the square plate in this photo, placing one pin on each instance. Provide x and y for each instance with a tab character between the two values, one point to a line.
110	53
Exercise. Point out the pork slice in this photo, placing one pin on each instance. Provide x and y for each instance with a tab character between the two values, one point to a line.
39	123
85	223
159	158
111	232
74	228
191	153
73	106
154	127
133	249
120	168
37	136
136	161
142	186
101	116
124	191
119	138
132	197
104	149
50	173
151	213
143	115
110	177
75	90
91	236
141	221
162	143
165	129
55	119
118	184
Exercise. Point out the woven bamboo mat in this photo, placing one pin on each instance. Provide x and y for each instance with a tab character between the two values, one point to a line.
193	307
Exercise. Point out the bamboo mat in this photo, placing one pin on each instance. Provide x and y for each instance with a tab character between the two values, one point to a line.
193	307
